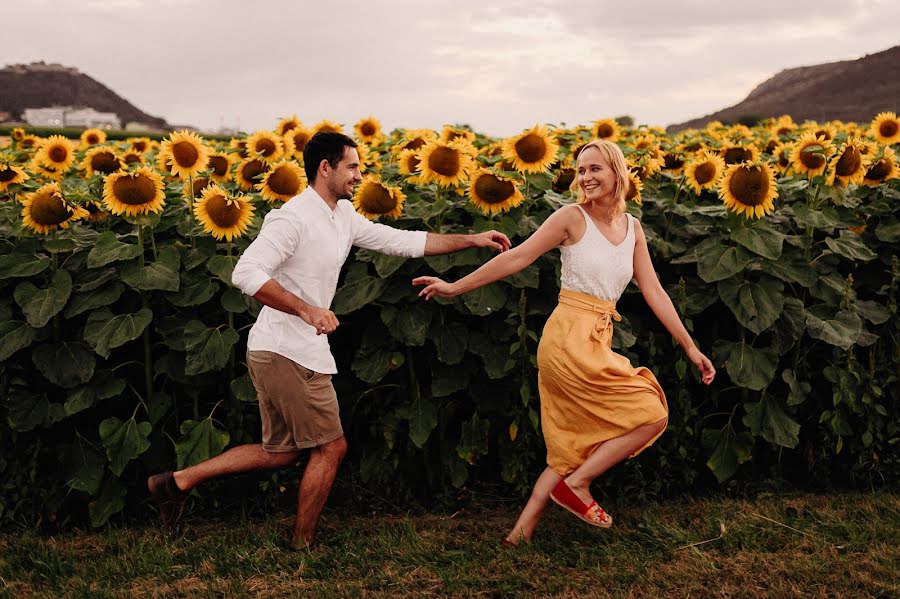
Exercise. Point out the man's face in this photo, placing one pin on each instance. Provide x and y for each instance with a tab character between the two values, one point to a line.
345	175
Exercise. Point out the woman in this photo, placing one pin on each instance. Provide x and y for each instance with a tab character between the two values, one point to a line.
596	409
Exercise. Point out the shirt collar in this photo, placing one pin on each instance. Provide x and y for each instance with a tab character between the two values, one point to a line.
312	197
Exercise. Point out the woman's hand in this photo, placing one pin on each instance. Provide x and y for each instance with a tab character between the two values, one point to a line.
435	287
703	364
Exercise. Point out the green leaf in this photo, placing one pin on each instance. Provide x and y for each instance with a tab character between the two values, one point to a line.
357	292
825	220
233	301
386	265
485	300
411	324
110	502
888	230
422	420
67	364
199	441
86	468
103	386
93	299
40	305
473	441
451	342
26	411
729	450
760	239
105	331
799	389
243	389
14	335
496	363
155	275
530	276
371	365
447	381
222	267
841	329
751	368
124	441
790	326
755	305
193	291
872	311
850	245
792	270
207	348
19	265
109	249
158	406
722	262
768	418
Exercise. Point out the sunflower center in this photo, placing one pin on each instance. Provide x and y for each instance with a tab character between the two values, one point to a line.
888	128
199	184
749	186
27	142
223	212
58	154
284	181
139	146
93	138
300	140
327	129
444	161
812	159
219	165
823	133
770	147
415	144
49	209
7	174
266	147
531	148
879	170
632	190
694	147
185	154
737	155
673	162
134	190
377	200
564	179
368	129
251	170
705	173
412	162
492	190
288	126
105	162
849	162
605	130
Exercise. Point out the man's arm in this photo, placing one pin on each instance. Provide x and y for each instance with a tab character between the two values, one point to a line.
275	296
436	243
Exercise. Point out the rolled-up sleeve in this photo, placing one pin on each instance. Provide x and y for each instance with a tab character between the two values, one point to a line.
277	241
387	240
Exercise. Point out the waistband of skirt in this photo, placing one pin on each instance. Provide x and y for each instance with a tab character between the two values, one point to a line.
585	301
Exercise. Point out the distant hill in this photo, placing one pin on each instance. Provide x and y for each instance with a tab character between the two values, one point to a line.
40	85
850	90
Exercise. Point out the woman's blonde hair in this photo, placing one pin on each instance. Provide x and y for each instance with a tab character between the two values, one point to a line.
616	160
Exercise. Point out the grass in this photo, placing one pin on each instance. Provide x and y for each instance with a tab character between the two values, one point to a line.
844	545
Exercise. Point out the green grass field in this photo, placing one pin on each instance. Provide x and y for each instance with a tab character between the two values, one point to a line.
771	546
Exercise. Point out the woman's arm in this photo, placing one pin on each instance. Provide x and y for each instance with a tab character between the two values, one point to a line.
553	232
661	304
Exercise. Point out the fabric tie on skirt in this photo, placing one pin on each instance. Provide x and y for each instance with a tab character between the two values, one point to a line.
604	309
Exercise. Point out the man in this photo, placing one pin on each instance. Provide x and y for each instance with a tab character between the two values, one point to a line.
292	268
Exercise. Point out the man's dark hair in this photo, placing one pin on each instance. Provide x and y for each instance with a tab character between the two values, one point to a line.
325	145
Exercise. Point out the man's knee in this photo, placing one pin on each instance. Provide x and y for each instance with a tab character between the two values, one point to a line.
280	459
334	450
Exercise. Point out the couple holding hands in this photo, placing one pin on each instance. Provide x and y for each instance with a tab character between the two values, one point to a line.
596	408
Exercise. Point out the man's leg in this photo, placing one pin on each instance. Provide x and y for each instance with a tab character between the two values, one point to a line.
315	487
243	458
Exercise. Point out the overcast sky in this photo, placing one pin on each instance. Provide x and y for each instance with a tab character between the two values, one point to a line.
498	65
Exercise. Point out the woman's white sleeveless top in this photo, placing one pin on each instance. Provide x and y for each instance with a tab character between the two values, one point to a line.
595	266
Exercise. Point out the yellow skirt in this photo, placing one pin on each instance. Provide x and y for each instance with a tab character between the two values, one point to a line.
589	394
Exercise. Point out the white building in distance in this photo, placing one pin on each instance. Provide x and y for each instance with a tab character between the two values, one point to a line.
67	116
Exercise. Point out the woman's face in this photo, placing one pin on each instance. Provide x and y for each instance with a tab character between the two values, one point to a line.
596	177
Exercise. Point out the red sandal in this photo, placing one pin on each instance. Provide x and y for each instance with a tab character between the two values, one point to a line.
593	514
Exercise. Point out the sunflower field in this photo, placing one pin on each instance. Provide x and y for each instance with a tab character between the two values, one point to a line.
122	340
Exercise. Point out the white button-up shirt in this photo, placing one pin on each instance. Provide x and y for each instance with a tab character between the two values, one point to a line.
303	245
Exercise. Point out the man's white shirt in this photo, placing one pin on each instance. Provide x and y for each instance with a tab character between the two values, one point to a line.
303	245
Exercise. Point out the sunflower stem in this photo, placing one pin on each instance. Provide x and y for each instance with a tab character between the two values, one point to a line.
234	407
148	357
54	265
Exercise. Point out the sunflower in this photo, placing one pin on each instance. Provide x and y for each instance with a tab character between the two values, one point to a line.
223	217
783	125
848	165
56	152
288	124
782	157
607	129
325	125
445	163
374	199
882	169
704	171
220	166
248	172
737	153
132	157
635	187
47	171
132	193
101	160
414	139
47	210
368	129
810	155
298	138
532	151
92	137
239	144
562	180
673	162
140	145
826	131
184	153
282	182
11	175
17	133
198	184
95	211
265	145
450	133
886	128
407	164
749	189
493	193
29	142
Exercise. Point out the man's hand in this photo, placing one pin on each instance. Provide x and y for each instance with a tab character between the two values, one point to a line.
435	286
323	320
492	239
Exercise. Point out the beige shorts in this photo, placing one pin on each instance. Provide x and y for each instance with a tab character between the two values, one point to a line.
298	407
